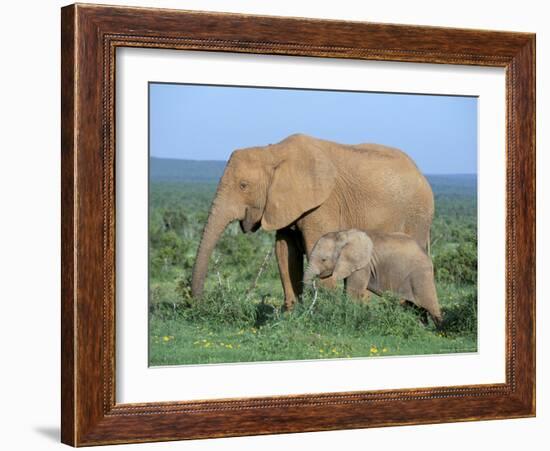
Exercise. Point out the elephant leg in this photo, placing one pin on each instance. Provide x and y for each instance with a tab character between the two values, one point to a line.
366	297
425	295
357	283
290	260
328	283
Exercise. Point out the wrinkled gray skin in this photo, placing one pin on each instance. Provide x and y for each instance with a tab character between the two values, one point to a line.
378	262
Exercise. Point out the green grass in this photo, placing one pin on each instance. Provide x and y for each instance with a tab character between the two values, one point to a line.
223	328
239	321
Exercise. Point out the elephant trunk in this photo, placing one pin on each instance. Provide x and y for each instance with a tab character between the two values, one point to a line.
310	273
218	219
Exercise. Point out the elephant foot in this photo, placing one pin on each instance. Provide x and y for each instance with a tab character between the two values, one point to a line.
365	298
438	321
288	306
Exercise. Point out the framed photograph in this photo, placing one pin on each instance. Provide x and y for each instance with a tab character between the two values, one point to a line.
279	225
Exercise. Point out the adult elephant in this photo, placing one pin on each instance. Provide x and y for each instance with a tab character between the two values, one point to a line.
304	187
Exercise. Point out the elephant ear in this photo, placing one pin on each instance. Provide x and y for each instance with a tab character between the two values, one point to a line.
355	252
303	178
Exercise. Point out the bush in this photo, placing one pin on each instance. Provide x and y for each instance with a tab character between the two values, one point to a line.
222	306
456	264
461	317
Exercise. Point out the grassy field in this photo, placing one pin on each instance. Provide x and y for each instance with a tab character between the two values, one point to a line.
240	319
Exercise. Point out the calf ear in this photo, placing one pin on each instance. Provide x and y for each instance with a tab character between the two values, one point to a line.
355	253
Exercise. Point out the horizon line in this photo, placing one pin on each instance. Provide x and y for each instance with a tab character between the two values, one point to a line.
225	161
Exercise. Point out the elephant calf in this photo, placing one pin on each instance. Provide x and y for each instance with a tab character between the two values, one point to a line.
379	262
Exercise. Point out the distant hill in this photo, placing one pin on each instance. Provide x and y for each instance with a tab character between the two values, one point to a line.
174	170
461	184
452	179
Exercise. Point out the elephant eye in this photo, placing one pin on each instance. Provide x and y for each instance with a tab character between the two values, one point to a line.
243	185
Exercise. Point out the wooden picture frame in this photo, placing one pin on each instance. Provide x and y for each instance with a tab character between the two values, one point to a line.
90	35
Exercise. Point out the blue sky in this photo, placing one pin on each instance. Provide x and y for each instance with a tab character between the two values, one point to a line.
209	122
